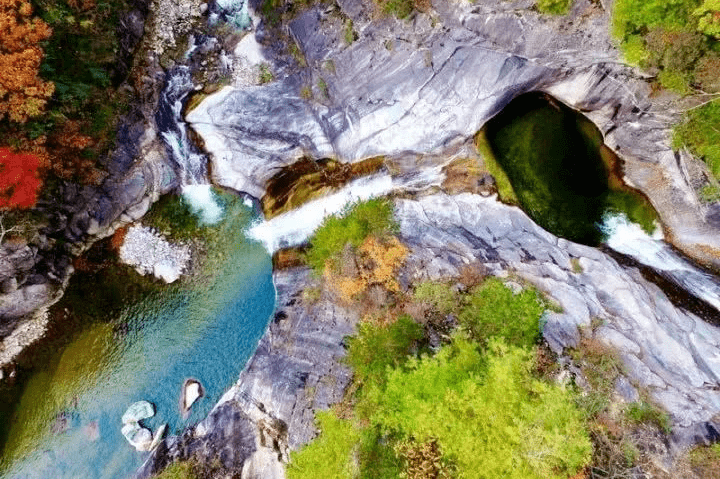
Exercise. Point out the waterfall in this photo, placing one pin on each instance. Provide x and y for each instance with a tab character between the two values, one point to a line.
296	226
190	163
650	250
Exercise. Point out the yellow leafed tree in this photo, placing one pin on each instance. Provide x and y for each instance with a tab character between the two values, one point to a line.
23	93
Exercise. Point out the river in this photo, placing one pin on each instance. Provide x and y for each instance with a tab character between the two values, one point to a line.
67	422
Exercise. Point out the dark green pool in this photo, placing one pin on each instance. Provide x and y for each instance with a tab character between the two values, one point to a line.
560	170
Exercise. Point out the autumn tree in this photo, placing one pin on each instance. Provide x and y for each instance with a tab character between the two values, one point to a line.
23	93
19	179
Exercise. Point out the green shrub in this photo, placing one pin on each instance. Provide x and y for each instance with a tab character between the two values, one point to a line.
707	15
492	309
357	223
489	416
554	7
700	133
439	295
375	348
329	456
172	214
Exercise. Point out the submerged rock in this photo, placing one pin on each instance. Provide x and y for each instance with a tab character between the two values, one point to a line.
139	437
138	411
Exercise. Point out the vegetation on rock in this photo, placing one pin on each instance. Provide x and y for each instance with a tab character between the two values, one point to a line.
373	217
679	40
554	7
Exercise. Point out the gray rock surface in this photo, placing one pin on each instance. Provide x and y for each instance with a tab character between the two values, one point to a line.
422	84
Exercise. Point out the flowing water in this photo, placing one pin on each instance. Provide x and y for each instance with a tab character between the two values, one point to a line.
67	423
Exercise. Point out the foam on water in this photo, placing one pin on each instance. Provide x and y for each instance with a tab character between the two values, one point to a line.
651	250
203	203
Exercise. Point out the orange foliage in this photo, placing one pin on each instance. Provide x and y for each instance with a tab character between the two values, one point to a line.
377	262
67	147
19	179
22	93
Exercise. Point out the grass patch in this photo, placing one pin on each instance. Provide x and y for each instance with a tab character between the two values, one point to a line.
265	75
178	470
349	34
351	228
644	412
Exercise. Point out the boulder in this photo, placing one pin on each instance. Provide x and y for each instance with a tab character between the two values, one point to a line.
139	437
137	412
192	391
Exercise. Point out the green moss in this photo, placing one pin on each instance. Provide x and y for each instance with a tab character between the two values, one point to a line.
504	186
397	8
554	7
178	470
352	227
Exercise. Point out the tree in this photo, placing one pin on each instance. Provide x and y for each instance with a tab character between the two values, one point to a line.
19	179
23	93
709	18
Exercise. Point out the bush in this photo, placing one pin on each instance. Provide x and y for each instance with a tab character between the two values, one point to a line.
357	223
438	295
707	73
377	347
489	417
699	132
554	7
328	456
492	309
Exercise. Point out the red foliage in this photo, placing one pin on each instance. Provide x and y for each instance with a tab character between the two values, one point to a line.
19	179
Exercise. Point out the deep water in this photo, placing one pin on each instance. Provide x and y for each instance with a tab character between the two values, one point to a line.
563	176
66	423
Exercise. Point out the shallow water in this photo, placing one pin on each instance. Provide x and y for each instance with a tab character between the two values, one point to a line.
67	422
